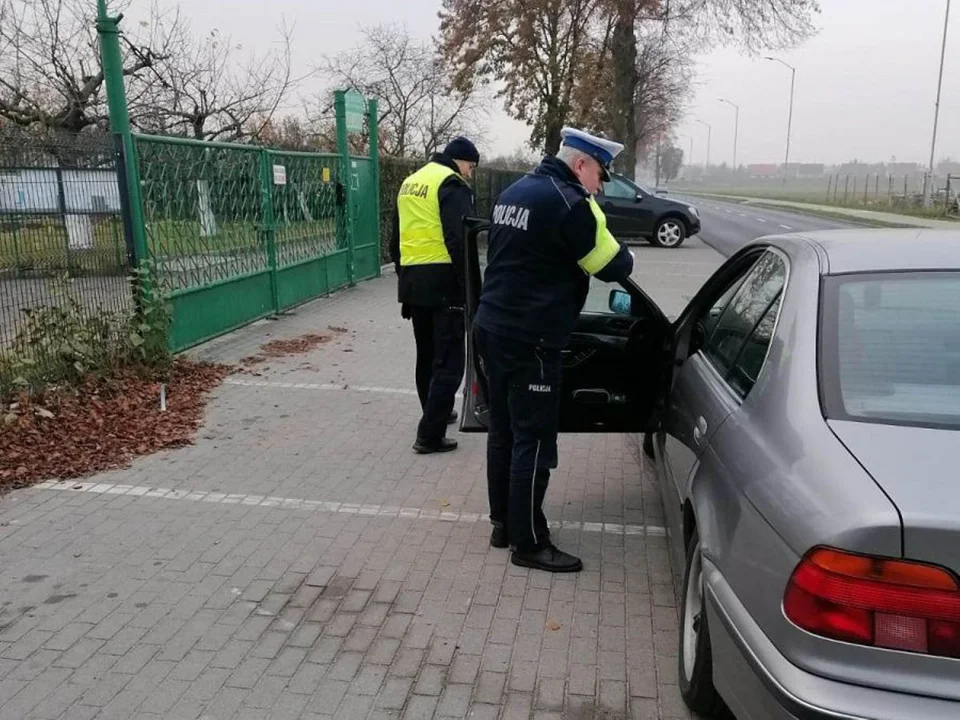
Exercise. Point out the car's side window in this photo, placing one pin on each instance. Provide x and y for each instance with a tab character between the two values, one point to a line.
710	320
618	189
754	351
762	285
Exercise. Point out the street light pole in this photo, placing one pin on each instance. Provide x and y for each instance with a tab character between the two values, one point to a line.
928	185
736	130
706	167
793	77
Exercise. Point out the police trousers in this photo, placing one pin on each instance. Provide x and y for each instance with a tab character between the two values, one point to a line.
439	334
524	402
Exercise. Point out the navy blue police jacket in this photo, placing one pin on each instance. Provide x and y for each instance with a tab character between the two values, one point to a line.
544	242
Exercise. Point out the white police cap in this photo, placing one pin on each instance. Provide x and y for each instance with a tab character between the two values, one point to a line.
600	149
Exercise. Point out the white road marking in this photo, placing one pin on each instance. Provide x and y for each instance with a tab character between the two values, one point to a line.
786	227
320	506
320	386
761	220
742	214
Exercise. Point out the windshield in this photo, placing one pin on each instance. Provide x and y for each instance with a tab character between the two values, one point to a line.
890	348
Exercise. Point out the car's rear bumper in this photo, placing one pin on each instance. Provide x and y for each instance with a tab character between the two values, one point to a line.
759	683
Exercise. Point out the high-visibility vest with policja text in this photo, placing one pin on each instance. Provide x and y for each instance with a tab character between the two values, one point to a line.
418	204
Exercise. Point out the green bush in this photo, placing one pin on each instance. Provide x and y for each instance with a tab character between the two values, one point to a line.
62	345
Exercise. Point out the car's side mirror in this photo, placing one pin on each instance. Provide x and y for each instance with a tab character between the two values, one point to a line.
620	302
639	197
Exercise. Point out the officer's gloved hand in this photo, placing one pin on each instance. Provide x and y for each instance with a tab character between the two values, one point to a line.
405	311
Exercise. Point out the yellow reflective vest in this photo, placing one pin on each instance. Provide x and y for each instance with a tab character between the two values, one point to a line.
418	205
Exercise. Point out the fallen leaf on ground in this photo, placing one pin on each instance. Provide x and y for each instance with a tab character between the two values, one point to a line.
553	625
282	348
104	424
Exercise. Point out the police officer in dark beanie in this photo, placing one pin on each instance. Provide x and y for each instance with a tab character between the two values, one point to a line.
427	252
547	237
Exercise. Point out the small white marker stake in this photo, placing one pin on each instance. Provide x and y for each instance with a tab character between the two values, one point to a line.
163	397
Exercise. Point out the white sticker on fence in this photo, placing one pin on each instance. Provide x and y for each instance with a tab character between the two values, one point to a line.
279	175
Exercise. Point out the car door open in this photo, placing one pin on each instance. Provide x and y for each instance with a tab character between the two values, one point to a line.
613	370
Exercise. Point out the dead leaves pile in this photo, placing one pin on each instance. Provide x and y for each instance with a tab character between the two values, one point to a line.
102	426
293	346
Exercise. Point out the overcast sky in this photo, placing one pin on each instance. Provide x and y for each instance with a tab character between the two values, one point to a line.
865	87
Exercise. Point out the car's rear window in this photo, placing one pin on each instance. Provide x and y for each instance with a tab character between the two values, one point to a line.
890	348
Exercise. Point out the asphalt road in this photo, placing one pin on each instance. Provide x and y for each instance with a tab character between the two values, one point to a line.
727	226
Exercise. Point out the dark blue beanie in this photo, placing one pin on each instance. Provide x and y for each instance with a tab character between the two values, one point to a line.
462	149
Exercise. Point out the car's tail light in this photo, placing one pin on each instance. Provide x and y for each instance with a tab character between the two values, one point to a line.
882	602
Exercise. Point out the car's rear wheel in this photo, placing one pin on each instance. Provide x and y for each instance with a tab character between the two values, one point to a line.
669	233
696	656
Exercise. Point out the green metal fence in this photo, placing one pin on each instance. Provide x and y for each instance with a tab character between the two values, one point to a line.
63	258
237	232
233	233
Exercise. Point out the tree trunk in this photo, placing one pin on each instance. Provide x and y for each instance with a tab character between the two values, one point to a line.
554	125
624	50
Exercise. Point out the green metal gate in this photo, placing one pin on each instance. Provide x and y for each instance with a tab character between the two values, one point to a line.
365	212
232	233
236	232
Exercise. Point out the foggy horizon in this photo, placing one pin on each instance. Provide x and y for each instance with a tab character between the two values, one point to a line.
865	84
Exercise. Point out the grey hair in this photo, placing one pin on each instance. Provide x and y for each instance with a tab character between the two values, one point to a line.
570	155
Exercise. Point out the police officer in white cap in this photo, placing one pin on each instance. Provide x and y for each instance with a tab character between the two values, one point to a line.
547	237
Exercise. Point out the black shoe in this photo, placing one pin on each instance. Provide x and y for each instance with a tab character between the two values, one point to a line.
443	445
548	558
453	418
498	538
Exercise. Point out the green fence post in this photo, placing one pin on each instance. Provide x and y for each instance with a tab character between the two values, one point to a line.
268	225
346	177
373	123
111	57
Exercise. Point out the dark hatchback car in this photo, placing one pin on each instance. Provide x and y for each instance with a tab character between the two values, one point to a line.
635	213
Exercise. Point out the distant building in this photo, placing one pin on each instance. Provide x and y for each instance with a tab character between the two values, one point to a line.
904	168
41	190
805	170
763	170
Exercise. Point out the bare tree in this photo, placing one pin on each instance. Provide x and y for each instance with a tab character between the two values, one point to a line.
750	24
538	50
208	90
419	106
661	84
292	133
50	72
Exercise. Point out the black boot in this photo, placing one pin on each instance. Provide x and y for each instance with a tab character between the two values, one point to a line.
547	557
425	447
498	538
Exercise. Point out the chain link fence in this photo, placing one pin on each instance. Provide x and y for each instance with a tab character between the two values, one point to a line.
62	240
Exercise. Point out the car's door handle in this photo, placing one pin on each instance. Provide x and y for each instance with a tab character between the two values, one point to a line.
700	430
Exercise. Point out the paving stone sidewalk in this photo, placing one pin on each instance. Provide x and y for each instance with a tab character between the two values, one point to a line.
300	561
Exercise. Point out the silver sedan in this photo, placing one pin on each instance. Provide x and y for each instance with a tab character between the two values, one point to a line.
803	412
804	457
